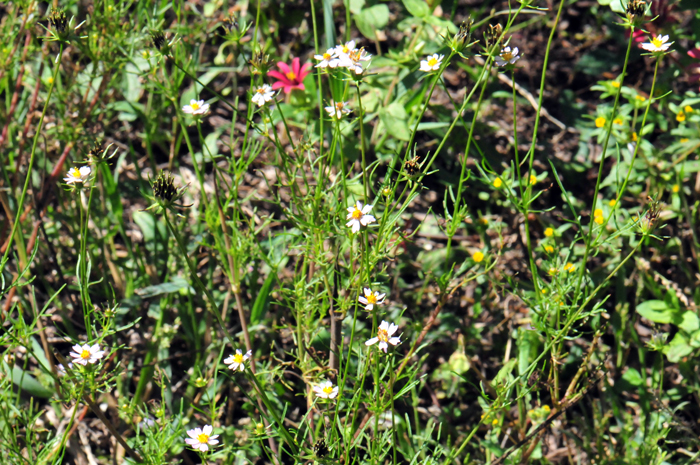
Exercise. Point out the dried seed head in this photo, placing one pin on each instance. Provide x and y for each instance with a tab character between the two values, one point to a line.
158	39
463	36
636	9
58	21
164	187
320	448
231	24
412	167
260	63
493	34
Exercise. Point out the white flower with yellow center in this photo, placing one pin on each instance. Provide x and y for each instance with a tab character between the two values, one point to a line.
359	216
196	107
86	353
344	50
201	438
353	60
432	63
384	338
326	390
77	175
337	109
328	59
657	44
237	360
508	56
262	95
370	299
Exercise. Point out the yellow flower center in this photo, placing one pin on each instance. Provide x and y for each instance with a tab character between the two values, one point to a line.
507	56
356	214
260	91
339	106
328	389
85	354
345	49
432	62
382	335
657	42
203	438
291	75
372	299
195	106
238	358
326	56
75	172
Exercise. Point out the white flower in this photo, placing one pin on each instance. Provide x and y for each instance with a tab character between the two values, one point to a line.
384	336
77	175
359	216
201	438
147	423
330	58
62	370
432	63
657	44
353	59
196	107
341	50
337	109
370	299
326	390
86	354
237	360
262	95
507	56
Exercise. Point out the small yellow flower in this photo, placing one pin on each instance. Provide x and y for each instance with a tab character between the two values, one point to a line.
478	256
615	84
533	180
598	212
688	109
634	137
544	291
549	232
680	117
617	121
483	220
684	140
553	271
640	98
549	249
676	188
569	267
145	54
497	183
599	219
600	122
495	421
49	80
612	202
546	408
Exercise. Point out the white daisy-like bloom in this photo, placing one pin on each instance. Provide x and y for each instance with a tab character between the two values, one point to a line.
359	216
337	109
508	56
326	390
86	353
77	175
370	299
262	95
62	370
432	63
328	59
196	107
201	438
657	44
341	50
353	60
237	360
384	338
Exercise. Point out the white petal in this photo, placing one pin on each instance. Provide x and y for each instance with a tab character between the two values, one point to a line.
191	441
392	329
383	346
359	206
369	342
394	341
362	300
84	171
384	325
369	307
77	348
213	442
355	226
334	393
248	355
187	109
207	429
194	433
367	219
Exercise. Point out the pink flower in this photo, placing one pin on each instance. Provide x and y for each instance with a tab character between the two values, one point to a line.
694	68
290	78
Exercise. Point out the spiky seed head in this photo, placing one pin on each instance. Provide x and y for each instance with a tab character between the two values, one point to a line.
636	10
58	20
158	39
164	187
492	35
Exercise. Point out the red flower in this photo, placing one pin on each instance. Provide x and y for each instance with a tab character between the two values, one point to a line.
290	78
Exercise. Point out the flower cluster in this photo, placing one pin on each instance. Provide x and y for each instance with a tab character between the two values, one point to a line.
344	56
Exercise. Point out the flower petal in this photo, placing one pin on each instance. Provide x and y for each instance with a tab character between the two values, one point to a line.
369	342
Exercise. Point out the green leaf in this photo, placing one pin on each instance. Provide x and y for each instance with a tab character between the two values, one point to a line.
26	382
689	322
633	377
372	19
262	301
618	6
657	311
164	288
396	127
678	348
417	8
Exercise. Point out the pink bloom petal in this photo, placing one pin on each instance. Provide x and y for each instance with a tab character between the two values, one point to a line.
695	53
304	71
284	67
280	76
279	85
295	66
